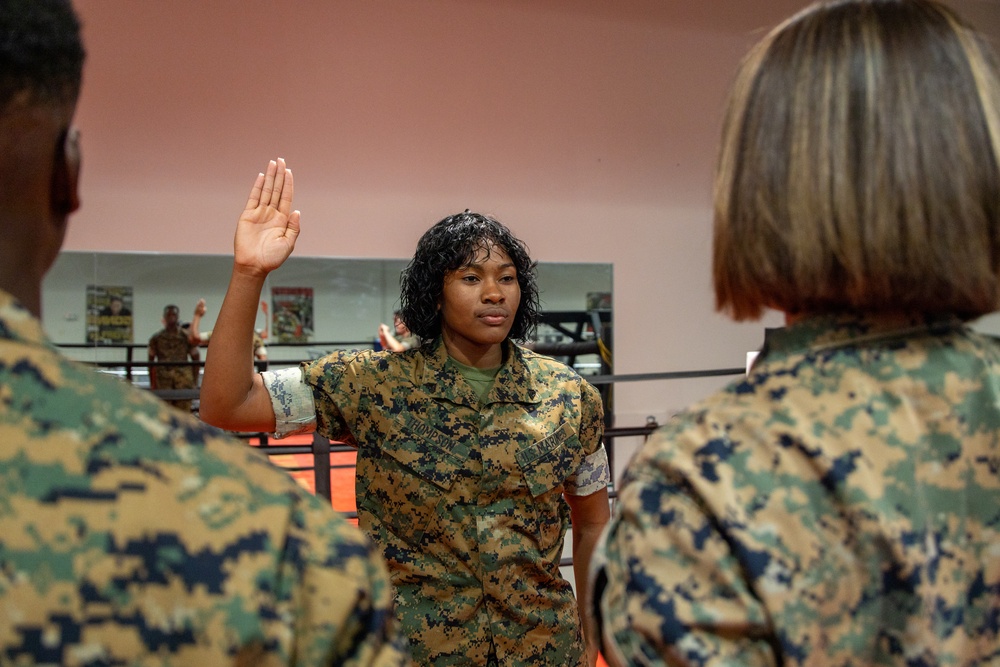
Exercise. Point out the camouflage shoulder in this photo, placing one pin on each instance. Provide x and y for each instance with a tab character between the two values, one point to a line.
348	602
542	364
678	440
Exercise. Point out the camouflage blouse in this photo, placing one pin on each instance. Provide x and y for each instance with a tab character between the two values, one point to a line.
132	534
465	499
840	505
167	345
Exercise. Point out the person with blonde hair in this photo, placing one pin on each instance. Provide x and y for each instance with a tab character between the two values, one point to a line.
841	503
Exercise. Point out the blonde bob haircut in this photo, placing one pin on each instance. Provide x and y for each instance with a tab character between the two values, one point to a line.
858	169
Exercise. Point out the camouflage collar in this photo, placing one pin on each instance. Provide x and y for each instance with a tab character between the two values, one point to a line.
514	382
17	323
832	331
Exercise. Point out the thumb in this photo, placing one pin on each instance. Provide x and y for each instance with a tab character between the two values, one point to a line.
294	226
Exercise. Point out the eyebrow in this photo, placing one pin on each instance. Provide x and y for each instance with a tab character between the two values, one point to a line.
469	265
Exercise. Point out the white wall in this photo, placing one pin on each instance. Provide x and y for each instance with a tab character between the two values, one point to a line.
588	126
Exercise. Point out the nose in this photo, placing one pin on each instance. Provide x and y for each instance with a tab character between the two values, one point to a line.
492	292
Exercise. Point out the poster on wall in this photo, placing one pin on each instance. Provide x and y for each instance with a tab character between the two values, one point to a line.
292	314
109	314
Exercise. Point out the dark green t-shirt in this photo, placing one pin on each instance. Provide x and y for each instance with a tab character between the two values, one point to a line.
481	379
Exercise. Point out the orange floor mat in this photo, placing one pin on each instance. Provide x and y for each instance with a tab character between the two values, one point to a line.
300	465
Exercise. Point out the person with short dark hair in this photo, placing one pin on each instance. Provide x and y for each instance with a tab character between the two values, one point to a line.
116	307
839	504
172	344
130	533
474	454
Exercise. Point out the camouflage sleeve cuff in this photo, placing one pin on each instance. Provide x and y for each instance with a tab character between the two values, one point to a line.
593	475
292	401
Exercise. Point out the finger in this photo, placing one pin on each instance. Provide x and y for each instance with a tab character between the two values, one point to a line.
254	199
279	183
268	188
294	227
287	192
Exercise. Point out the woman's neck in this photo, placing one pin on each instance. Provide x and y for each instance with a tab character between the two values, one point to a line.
476	356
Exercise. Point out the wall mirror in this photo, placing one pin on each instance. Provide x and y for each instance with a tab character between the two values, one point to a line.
102	306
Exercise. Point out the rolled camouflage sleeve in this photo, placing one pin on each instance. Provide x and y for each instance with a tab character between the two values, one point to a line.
594	472
593	475
292	401
667	589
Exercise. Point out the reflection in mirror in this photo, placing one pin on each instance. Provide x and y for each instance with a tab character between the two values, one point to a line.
310	305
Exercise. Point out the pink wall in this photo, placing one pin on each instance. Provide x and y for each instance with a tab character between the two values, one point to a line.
589	127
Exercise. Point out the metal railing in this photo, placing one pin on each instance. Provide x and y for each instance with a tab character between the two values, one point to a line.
321	448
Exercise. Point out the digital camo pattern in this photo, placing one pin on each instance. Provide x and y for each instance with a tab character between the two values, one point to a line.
131	534
467	501
167	345
838	506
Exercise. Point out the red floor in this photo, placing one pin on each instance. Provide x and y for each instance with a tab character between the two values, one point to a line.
341	479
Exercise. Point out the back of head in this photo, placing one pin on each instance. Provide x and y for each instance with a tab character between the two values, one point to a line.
41	55
449	245
858	169
41	63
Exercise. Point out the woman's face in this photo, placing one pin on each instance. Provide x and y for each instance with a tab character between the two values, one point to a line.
478	305
400	326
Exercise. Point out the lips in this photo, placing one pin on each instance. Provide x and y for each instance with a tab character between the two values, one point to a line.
494	317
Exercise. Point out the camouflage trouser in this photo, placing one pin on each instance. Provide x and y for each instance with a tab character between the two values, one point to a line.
176	377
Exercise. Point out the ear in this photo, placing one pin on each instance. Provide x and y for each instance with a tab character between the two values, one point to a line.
66	174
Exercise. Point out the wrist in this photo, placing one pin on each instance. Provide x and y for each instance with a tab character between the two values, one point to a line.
249	273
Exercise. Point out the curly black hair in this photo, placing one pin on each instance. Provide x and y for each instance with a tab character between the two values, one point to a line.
449	245
40	51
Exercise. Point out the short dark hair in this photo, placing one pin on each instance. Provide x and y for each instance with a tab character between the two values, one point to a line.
449	245
859	166
171	307
40	51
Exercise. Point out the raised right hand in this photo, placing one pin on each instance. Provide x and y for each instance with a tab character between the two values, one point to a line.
268	227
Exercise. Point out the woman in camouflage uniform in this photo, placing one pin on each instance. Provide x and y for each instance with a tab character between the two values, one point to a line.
474	454
841	504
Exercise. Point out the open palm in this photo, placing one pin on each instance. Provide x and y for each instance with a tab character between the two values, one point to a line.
268	227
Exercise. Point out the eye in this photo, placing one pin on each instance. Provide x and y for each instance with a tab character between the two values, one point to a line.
470	278
508	279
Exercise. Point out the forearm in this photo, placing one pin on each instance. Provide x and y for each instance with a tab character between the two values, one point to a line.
392	344
584	542
232	395
152	374
194	331
589	515
228	386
